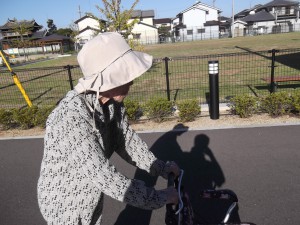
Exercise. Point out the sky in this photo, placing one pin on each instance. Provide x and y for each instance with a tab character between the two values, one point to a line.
65	12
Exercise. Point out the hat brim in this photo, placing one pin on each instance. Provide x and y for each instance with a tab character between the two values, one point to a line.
122	71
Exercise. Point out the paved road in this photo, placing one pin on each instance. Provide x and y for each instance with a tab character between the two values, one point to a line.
260	164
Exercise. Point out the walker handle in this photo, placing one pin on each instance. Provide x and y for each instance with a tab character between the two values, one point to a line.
171	177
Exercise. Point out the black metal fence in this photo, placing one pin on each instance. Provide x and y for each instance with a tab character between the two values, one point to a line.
172	78
44	86
199	33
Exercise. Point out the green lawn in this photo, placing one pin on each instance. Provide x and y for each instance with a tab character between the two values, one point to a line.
205	47
240	72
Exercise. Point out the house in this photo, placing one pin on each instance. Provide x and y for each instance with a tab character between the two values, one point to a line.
224	26
162	22
246	12
56	43
239	28
88	27
200	21
164	29
274	17
144	30
11	35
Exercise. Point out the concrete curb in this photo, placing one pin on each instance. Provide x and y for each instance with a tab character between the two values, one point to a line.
176	130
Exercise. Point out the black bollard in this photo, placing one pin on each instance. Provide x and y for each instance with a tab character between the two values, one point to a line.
213	70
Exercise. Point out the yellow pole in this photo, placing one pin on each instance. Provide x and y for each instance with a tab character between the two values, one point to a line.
16	80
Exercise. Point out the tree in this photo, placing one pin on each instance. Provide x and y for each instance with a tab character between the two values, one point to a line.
52	28
71	32
73	35
164	31
23	29
64	31
118	20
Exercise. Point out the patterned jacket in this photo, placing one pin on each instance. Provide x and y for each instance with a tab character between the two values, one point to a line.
75	170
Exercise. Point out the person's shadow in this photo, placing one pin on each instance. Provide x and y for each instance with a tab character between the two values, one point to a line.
201	171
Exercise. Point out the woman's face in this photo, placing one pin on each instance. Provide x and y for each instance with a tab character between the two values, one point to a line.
118	93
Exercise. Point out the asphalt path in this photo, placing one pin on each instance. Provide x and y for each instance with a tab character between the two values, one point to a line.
260	164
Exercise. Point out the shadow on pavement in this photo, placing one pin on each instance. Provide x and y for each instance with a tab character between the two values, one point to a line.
201	171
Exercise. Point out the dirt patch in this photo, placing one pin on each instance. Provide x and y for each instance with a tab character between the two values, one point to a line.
37	131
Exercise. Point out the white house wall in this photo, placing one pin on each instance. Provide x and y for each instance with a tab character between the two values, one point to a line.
85	36
149	35
211	32
88	22
175	22
194	20
194	17
147	20
199	15
268	27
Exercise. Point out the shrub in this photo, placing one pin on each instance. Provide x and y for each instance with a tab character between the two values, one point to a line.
158	109
277	104
188	110
42	115
132	109
25	117
296	102
243	105
136	45
7	118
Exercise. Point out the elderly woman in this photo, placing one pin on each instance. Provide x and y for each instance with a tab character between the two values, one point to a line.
84	130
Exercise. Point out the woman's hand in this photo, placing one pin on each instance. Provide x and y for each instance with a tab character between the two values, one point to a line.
172	167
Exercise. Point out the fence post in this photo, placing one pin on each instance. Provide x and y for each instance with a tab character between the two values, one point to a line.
166	59
273	83
70	76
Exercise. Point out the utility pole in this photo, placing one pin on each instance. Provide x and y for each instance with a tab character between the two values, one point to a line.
232	23
79	11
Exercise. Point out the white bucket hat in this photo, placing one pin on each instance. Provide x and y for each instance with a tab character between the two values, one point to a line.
107	61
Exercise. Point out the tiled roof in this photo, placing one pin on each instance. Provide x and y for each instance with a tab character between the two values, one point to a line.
142	13
198	6
85	17
245	12
224	18
39	34
280	3
10	24
54	37
259	16
148	25
212	23
162	20
88	28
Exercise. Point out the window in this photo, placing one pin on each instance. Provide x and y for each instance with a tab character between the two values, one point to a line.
137	36
289	10
189	32
201	31
83	41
